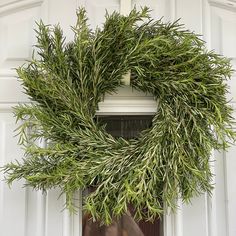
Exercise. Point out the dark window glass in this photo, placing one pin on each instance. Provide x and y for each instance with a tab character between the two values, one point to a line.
126	127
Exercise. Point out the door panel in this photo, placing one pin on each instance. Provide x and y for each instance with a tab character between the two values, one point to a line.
24	212
223	18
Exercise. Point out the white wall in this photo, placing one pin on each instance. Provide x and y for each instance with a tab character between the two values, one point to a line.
27	213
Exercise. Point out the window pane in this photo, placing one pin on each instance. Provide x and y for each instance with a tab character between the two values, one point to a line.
126	126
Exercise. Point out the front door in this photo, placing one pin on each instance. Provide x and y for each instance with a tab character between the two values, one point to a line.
24	212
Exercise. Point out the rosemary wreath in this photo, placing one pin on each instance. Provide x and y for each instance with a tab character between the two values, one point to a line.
68	80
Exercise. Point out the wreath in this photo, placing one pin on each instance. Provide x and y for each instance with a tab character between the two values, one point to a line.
67	80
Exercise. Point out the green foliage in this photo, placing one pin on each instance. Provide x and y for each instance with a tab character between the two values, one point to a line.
168	160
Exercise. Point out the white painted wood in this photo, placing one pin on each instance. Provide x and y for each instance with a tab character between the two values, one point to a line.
128	101
218	216
190	13
10	91
125	6
230	165
168	224
96	10
10	198
77	218
66	221
35	214
173	222
24	212
223	20
72	223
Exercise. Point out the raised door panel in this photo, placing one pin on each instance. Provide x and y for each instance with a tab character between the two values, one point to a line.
230	167
223	38
24	212
190	14
17	36
12	200
96	10
16	40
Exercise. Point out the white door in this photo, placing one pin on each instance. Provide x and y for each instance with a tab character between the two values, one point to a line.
24	212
